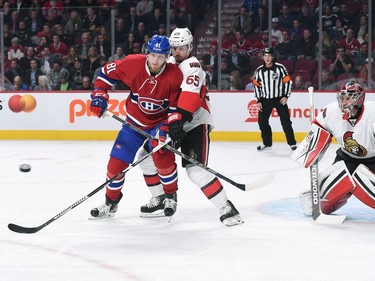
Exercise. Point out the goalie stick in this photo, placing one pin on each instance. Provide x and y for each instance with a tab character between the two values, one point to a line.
266	180
317	214
30	230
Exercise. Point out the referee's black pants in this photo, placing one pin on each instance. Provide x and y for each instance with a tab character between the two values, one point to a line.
264	116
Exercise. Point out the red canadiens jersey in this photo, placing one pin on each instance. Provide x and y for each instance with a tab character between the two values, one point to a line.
151	98
357	138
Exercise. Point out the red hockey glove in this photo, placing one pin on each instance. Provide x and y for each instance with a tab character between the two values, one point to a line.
160	136
99	102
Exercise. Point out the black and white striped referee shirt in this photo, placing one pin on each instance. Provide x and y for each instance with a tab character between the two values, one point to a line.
273	82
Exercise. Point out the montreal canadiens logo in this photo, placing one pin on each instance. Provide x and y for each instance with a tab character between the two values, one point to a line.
151	106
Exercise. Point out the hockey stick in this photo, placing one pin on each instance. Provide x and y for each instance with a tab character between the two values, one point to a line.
29	230
245	187
317	213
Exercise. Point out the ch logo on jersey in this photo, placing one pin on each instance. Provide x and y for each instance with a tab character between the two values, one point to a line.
151	106
352	146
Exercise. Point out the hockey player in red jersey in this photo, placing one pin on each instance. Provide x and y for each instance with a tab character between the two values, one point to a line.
154	90
351	122
190	126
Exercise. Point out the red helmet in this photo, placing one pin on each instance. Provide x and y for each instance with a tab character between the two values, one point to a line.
351	98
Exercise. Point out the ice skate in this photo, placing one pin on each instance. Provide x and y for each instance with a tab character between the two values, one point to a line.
263	147
154	208
229	215
293	147
170	205
107	210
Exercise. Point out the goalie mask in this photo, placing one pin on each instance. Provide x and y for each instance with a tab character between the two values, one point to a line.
350	98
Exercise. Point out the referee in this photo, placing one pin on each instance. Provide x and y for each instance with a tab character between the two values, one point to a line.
272	85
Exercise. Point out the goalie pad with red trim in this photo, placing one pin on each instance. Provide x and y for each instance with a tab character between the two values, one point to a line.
313	147
365	185
336	185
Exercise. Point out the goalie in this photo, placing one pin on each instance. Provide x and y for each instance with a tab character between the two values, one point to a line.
352	123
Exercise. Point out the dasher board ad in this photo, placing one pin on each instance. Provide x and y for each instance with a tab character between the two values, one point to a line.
232	111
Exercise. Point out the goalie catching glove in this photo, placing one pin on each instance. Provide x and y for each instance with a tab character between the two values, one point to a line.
176	123
99	102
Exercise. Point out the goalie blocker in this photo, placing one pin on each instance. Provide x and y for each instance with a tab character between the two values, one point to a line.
313	147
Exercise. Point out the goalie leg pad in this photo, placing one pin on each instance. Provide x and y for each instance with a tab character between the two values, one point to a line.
313	146
365	185
336	185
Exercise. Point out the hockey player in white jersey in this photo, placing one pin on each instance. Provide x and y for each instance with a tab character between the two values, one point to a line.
190	126
351	122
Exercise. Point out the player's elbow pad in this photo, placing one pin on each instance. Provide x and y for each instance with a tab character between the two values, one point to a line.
313	147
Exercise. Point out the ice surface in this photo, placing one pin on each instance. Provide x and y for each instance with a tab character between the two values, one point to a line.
275	243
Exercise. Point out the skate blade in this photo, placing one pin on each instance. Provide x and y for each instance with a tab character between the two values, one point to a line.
153	215
108	216
232	221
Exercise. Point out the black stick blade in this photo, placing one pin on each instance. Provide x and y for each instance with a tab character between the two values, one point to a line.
21	229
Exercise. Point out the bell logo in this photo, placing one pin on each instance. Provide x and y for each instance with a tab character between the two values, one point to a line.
253	111
26	103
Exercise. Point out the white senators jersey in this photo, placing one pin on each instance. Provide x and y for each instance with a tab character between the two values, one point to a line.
356	137
194	80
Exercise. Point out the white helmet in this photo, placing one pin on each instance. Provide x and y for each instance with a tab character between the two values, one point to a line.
181	37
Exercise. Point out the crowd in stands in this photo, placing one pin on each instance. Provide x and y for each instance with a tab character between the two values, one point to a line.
61	44
294	34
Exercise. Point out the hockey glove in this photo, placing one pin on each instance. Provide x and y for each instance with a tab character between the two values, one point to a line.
176	123
160	136
99	102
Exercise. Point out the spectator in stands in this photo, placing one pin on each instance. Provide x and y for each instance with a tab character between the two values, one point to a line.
86	84
260	45
337	32
119	54
53	11
40	44
92	62
58	29
18	85
296	31
103	45
14	70
91	21
7	36
83	47
341	63
46	60
42	84
64	84
285	20
276	36
173	18
54	74
328	49
186	8
58	47
306	18
73	27
103	61
32	74
127	48
70	58
350	43
211	59
362	29
327	83
140	32
22	34
226	69
131	21
328	18
13	22
306	46
363	74
162	30
45	32
235	81
22	8
24	62
37	5
361	57
15	51
347	16
241	21
34	23
145	42
244	45
136	48
239	61
154	21
77	73
287	49
209	85
144	8
260	20
298	83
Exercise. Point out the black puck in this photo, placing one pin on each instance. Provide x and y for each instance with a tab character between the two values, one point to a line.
25	168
